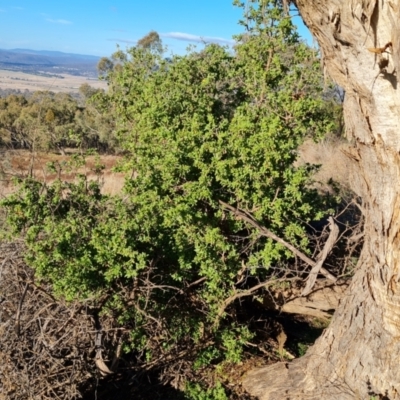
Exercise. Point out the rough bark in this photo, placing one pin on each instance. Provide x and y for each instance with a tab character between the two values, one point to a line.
357	356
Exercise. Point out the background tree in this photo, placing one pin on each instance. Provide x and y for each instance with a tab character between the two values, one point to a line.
10	110
47	121
104	66
152	42
96	120
87	91
357	354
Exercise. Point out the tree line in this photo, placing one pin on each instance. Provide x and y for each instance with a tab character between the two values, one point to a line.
47	121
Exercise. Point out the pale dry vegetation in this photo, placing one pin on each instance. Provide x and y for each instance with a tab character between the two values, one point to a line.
24	81
328	153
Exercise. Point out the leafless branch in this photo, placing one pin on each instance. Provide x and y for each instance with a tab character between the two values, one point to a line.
312	277
267	233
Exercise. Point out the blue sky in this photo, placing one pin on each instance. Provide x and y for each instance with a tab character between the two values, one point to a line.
95	27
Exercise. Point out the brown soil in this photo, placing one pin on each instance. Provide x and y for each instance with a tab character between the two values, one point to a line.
21	163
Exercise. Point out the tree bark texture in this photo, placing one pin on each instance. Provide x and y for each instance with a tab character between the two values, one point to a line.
358	356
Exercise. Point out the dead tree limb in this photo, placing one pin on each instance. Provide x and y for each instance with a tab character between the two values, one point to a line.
267	233
312	277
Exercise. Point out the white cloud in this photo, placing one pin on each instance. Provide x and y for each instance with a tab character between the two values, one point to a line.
59	21
123	41
187	37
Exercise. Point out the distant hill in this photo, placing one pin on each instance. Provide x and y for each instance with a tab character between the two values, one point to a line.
55	56
51	62
13	57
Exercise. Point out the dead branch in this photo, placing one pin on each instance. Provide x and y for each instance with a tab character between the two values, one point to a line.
320	302
245	293
17	318
312	277
267	233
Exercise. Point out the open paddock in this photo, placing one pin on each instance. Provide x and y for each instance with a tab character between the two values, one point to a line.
25	81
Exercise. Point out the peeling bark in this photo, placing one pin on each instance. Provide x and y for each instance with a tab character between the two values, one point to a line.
357	356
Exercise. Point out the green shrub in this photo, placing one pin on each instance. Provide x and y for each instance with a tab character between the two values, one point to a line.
197	392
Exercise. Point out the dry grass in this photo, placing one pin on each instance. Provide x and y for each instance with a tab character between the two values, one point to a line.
328	154
24	81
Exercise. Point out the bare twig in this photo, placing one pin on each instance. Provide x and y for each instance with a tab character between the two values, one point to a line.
17	318
245	293
201	280
312	277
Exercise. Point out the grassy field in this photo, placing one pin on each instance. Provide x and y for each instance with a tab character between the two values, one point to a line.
22	81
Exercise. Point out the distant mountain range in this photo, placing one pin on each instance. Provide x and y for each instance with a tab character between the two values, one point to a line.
48	62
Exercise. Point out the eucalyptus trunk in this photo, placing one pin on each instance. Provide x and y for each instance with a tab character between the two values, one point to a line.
358	356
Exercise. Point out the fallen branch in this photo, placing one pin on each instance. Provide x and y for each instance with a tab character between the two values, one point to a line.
320	302
312	277
100	364
244	293
17	318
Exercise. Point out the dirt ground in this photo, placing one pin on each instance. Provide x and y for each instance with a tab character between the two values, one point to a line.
24	81
20	163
